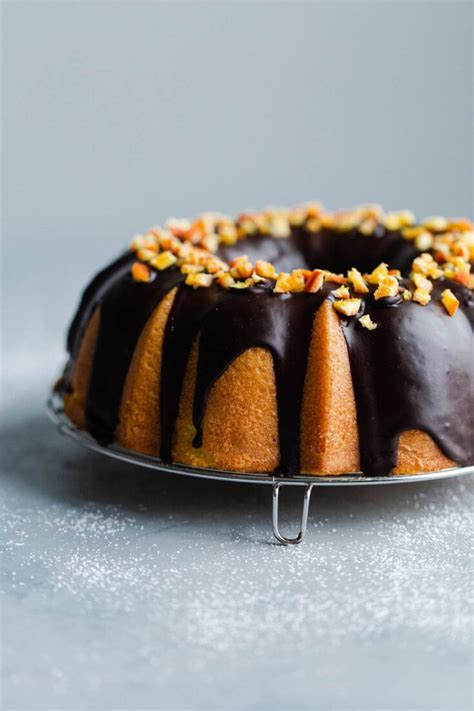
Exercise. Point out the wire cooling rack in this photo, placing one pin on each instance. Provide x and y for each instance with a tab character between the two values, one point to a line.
66	427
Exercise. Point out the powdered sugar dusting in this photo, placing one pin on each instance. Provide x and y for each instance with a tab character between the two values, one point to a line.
228	590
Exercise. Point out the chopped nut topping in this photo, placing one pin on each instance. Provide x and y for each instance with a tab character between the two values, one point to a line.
179	228
265	269
210	242
442	251
422	283
348	307
328	221
143	242
460	225
461	249
192	268
367	322
424	241
368	226
422	264
298	280
214	265
258	279
315	281
193	246
163	260
334	278
421	296
365	219
388	286
313	224
410	233
435	224
450	302
398	220
241	268
224	279
378	274
282	285
199	279
140	272
243	284
314	209
462	278
228	234
246	225
358	281
279	226
146	254
297	216
287	283
345	221
342	293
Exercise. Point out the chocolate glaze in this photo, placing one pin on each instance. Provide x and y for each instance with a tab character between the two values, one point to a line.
285	254
92	296
340	251
89	301
188	313
415	371
124	311
253	318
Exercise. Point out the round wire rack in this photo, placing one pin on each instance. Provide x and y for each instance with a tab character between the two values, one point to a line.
66	427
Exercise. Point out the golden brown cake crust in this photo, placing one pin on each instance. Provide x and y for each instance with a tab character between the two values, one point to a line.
139	423
329	438
240	425
75	401
417	452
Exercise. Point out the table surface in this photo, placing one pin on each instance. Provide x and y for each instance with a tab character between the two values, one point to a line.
124	588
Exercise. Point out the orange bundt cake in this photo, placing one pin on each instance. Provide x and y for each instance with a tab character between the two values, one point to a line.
285	341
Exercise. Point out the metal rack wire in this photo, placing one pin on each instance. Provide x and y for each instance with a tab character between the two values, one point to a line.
66	427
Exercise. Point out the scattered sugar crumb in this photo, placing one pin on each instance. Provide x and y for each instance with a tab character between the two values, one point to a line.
227	589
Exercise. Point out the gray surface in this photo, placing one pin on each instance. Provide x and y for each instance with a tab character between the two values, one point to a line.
123	589
128	589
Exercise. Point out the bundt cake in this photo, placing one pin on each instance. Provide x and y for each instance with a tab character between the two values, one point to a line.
286	341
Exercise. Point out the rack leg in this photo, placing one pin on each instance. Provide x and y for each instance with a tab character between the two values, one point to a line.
304	518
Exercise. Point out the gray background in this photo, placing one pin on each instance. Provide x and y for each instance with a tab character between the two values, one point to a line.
125	590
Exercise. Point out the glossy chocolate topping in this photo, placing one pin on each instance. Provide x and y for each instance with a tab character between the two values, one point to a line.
124	311
189	312
92	296
415	371
252	318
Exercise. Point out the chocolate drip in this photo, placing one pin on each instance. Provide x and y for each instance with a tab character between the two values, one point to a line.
89	301
125	309
189	310
92	296
253	318
415	371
